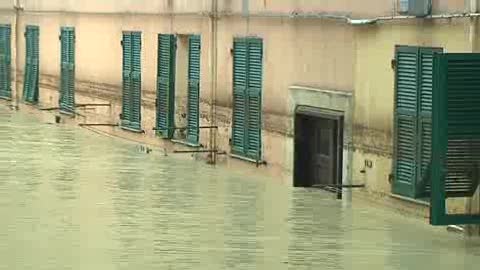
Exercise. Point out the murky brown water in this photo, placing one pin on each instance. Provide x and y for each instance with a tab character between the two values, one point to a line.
70	199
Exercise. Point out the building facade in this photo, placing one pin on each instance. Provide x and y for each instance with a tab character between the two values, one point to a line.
303	90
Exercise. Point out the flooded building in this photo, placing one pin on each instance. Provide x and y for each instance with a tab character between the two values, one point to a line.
315	92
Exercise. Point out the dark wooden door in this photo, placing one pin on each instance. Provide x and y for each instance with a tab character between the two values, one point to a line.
324	154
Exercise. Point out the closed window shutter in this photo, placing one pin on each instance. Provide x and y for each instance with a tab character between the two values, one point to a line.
67	87
240	66
193	89
127	81
36	65
71	71
30	88
5	60
254	98
136	82
166	85
132	81
63	67
425	118
406	102
28	60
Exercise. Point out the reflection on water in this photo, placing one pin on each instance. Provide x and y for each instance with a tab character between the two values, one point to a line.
70	199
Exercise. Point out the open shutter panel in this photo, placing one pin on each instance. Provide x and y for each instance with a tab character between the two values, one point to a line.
5	54
3	63
8	59
27	69
239	95
136	82
67	84
71	71
30	89
406	120
425	119
254	98
63	66
36	65
193	89
456	124
166	85
127	68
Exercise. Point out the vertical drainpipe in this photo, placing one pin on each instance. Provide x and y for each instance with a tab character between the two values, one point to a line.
213	72
245	7
473	26
18	8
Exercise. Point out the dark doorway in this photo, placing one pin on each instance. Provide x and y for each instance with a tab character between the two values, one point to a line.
318	149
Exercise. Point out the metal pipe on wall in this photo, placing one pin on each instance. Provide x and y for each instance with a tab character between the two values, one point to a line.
473	6
280	15
18	8
472	9
213	72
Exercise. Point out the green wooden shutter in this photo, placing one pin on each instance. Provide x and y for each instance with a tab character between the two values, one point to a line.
166	85
36	65
63	66
28	60
132	81
5	61
240	66
456	135
127	80
254	98
247	97
31	76
67	84
136	82
406	102
193	117
425	118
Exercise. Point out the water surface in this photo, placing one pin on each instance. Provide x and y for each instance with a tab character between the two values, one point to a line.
72	199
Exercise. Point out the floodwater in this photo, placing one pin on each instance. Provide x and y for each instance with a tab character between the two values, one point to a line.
73	199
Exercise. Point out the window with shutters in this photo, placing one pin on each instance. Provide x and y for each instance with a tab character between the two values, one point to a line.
247	98
413	118
67	70
166	85
178	88
31	74
132	81
5	62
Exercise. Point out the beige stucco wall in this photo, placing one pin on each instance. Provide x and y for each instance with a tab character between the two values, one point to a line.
307	51
353	8
117	6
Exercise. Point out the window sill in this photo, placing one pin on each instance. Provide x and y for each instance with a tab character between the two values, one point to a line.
131	129
407	199
251	160
185	143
